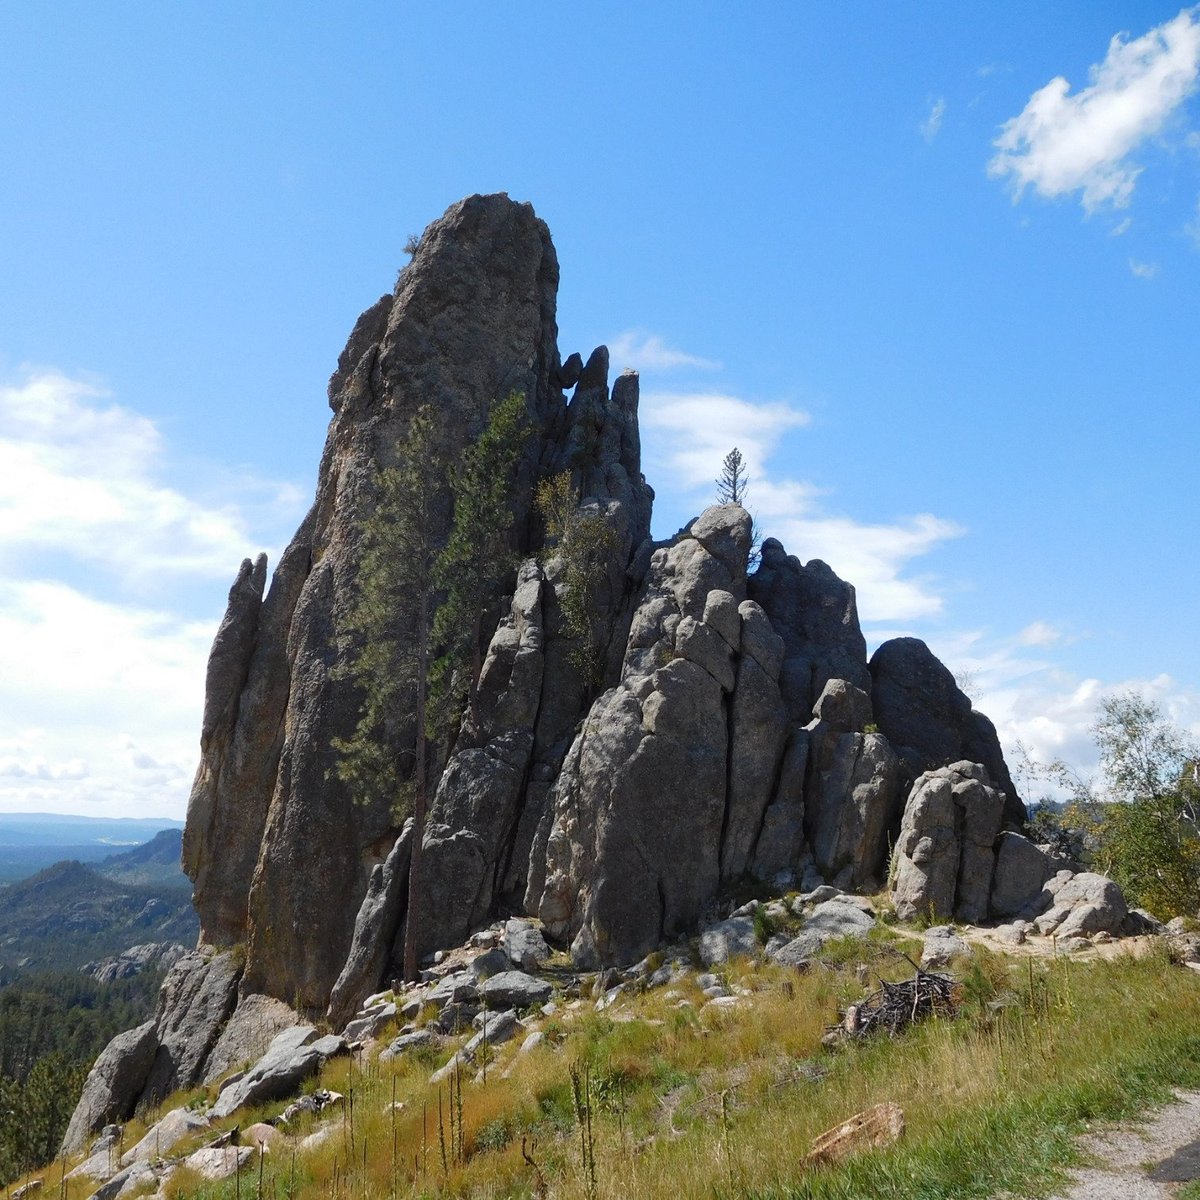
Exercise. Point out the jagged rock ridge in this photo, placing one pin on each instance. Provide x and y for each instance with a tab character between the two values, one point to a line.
702	750
737	728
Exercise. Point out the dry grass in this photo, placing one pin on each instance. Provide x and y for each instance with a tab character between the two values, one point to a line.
691	1104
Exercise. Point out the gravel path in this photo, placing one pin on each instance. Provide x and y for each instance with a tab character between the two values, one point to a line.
1127	1156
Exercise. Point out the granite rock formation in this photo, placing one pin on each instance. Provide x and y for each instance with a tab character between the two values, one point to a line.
732	729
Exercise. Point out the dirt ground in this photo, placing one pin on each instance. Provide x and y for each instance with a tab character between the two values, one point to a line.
1144	1161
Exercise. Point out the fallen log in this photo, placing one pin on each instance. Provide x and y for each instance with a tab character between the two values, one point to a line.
872	1129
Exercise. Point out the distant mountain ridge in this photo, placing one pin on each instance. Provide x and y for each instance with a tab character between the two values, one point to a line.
155	862
30	842
70	913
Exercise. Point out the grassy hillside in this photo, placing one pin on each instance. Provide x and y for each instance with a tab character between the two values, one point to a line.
659	1096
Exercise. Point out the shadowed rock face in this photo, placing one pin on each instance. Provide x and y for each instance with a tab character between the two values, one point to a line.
727	733
816	614
472	317
698	746
930	722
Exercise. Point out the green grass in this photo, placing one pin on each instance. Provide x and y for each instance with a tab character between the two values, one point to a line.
689	1104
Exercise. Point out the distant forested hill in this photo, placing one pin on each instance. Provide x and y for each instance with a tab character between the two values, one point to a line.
70	914
31	841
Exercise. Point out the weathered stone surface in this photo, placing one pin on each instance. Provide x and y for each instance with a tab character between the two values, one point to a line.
733	938
248	1034
371	1023
1022	871
406	1042
164	1134
781	840
843	708
492	962
816	614
929	721
246	690
99	1164
197	998
375	929
133	1179
631	844
524	945
454	989
218	1162
1093	904
472	317
852	800
495	1030
831	919
982	809
758	735
942	945
514	989
474	814
294	1055
945	859
113	1086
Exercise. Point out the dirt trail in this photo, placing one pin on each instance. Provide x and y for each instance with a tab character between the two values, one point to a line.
1144	1161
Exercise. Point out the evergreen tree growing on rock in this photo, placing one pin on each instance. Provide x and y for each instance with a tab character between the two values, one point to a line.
478	554
733	480
582	541
422	670
389	658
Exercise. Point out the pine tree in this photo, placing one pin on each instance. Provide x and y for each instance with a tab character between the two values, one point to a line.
388	656
733	481
422	669
478	554
582	540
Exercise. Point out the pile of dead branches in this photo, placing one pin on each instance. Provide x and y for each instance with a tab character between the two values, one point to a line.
895	1006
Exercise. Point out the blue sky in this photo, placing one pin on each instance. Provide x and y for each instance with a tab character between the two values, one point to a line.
933	267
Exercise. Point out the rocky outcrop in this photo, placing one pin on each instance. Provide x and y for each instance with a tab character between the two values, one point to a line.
622	872
375	930
240	742
472	318
293	1056
852	795
1022	871
732	727
816	614
929	720
150	956
197	998
945	856
478	803
113	1086
168	1052
953	858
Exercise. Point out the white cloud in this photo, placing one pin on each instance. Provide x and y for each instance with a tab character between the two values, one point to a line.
933	121
1062	143
100	703
101	691
687	435
1121	227
648	352
78	479
1039	633
1037	703
705	426
1142	270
